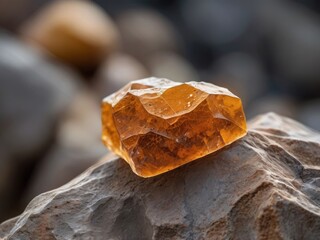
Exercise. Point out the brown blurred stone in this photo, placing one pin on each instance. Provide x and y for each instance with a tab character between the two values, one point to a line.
76	32
146	32
264	186
172	66
118	70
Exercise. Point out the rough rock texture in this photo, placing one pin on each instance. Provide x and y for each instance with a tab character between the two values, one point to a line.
264	186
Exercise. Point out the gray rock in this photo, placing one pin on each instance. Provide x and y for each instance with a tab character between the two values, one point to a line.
145	32
242	73
172	66
116	71
33	96
77	146
277	103
309	114
264	186
6	191
294	35
59	166
215	22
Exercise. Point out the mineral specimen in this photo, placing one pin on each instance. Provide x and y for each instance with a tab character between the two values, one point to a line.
157	125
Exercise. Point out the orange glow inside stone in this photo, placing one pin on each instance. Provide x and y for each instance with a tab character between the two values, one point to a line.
157	125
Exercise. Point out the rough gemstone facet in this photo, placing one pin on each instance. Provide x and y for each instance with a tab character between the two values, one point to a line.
157	125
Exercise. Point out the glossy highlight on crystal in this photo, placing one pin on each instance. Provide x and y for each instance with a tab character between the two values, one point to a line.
157	125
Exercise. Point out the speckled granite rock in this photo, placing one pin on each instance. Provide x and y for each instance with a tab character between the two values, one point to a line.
264	186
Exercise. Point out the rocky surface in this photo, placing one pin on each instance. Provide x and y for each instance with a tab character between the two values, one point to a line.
264	186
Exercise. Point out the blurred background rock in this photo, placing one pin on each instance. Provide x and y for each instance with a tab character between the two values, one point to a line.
58	59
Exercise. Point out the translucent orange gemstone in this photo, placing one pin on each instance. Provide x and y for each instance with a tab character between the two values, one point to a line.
157	125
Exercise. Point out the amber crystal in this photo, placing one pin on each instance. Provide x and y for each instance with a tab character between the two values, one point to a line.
157	125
